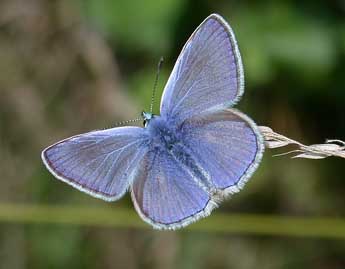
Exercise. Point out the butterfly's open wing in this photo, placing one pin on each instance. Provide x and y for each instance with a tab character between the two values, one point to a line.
165	194
208	73
100	163
227	145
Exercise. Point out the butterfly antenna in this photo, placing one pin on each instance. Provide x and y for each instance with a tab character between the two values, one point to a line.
160	63
121	123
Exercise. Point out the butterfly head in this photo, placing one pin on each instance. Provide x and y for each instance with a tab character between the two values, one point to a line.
147	116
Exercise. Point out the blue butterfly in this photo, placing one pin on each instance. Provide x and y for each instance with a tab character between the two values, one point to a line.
183	163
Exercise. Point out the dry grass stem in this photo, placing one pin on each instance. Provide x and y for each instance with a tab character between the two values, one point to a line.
333	147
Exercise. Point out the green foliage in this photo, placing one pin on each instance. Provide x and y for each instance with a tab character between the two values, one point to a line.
280	35
139	26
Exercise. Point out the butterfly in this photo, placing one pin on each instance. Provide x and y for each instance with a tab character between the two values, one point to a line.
185	161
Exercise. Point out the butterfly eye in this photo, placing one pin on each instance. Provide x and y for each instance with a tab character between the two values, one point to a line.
143	115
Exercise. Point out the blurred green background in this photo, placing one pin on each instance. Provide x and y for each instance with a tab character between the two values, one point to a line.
68	67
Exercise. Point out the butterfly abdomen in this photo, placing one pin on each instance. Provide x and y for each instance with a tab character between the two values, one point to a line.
169	140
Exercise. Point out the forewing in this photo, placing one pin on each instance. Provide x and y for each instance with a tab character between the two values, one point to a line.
100	163
227	144
166	195
207	75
